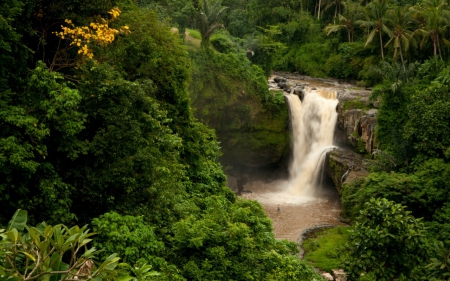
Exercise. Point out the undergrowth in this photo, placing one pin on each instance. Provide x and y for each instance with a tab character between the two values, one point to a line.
324	249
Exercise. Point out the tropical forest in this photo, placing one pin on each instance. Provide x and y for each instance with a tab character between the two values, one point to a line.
179	140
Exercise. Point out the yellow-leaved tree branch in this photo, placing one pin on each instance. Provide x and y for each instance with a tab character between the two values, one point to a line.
82	37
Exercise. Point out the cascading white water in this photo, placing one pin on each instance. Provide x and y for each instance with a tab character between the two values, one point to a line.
313	122
300	202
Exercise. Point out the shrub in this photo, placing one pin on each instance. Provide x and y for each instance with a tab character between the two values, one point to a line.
386	242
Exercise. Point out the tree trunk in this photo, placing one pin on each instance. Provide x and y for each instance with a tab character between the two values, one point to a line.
318	10
401	57
434	46
381	43
439	46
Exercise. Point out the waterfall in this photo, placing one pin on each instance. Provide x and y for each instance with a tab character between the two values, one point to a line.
313	122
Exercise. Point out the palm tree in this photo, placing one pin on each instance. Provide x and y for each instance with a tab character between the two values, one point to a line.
376	12
210	20
401	22
337	6
352	12
436	21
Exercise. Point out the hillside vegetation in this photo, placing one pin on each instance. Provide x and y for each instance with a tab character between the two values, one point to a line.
98	108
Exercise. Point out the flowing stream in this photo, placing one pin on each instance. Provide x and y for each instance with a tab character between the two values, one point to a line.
305	199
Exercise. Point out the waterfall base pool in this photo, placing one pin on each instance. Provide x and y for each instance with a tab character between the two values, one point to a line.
296	214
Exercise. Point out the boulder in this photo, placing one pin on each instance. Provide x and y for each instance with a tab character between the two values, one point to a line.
279	79
327	276
339	275
287	85
344	166
299	91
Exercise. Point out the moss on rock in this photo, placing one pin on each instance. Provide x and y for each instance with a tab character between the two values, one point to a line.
231	96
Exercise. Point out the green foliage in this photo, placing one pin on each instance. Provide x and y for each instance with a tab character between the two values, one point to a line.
349	62
195	33
210	20
231	95
440	264
223	43
51	252
353	104
264	47
386	241
423	192
307	59
324	249
38	125
233	242
440	225
134	240
428	123
128	236
286	268
140	273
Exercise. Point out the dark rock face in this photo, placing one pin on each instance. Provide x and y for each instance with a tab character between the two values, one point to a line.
279	79
358	124
344	166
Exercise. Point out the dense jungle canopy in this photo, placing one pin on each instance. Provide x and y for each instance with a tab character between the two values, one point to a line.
99	103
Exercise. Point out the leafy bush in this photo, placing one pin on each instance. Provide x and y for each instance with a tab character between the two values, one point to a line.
53	252
128	236
386	242
423	192
135	241
223	43
428	122
307	59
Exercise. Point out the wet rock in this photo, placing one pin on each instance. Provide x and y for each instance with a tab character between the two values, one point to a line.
344	166
287	86
351	125
339	275
299	91
367	131
279	79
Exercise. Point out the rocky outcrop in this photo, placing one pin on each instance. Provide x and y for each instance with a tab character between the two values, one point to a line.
344	166
366	129
253	134
356	119
339	275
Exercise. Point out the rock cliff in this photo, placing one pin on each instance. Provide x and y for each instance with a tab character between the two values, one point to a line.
231	96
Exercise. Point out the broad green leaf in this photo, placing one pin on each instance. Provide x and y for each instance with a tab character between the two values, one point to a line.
126	278
29	255
70	240
89	252
13	235
18	221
